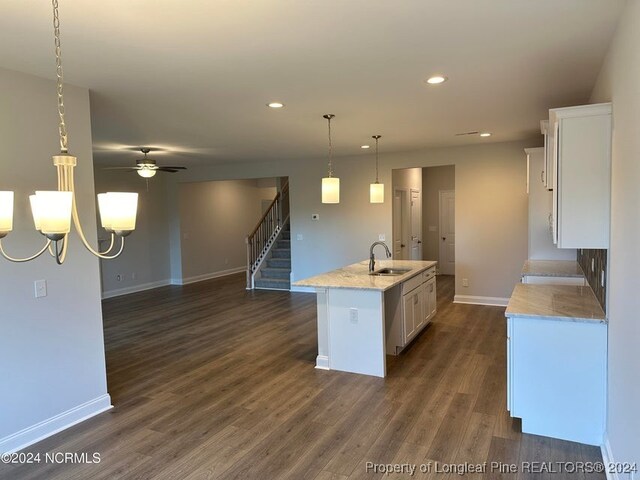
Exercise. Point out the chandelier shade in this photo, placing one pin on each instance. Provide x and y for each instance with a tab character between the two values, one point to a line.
6	212
52	212
118	211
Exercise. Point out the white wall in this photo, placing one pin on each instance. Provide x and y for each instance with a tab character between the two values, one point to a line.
215	218
51	349
434	179
491	207
145	261
541	245
619	82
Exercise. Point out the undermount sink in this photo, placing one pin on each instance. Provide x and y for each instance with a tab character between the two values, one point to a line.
389	272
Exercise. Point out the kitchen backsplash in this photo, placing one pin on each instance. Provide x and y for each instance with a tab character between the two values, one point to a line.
596	278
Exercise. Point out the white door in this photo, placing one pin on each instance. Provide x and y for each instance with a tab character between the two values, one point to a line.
399	224
416	225
447	261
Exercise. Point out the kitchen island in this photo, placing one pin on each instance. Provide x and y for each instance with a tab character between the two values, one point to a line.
362	317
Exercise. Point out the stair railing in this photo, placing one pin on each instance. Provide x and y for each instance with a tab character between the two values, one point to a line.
260	240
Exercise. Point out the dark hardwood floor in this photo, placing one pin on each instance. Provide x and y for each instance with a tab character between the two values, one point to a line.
211	381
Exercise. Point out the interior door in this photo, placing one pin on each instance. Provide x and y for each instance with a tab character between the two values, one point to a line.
399	226
447	261
416	225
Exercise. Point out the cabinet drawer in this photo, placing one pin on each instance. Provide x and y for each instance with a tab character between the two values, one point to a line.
428	274
411	284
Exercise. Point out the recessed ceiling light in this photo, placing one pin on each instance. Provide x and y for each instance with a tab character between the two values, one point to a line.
364	146
275	105
436	79
485	134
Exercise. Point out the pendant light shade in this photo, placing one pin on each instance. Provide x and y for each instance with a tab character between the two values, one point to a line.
6	213
376	193
330	184
330	190
376	190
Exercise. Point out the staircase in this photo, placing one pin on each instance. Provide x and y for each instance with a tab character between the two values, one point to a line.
269	247
275	273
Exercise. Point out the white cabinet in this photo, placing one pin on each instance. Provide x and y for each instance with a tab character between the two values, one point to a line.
547	174
556	377
580	175
409	309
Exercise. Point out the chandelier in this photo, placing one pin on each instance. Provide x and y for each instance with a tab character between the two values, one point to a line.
53	211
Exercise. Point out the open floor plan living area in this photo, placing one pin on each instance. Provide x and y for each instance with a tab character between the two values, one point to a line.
320	240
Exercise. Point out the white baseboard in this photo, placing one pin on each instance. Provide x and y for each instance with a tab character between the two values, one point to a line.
134	289
295	288
322	362
208	276
475	300
53	425
607	458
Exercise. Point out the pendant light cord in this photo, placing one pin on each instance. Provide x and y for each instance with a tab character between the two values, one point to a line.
330	147
376	137
59	78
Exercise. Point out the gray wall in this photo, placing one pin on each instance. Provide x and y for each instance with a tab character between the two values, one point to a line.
491	205
434	179
51	349
215	218
145	260
618	82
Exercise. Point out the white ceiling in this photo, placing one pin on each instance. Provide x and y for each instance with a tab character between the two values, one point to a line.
194	76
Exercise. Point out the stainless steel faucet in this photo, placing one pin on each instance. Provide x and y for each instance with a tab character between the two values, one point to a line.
372	257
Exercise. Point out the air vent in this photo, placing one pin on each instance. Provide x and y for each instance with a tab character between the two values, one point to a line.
466	133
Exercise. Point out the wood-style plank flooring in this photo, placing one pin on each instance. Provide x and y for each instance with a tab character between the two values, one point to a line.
210	381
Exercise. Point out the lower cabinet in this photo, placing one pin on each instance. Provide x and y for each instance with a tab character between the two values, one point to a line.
556	377
408	309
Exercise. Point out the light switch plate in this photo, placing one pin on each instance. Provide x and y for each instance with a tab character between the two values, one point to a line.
299	236
353	315
40	288
382	237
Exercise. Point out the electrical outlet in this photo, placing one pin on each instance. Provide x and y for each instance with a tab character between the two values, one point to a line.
315	216
40	288
299	236
226	261
465	282
353	315
382	237
133	276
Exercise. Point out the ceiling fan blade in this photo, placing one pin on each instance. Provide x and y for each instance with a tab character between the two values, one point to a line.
172	167
168	170
120	168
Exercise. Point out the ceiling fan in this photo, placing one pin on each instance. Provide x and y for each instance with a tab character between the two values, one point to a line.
147	167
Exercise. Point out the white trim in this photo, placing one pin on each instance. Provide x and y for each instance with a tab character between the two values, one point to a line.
476	300
322	362
53	425
135	288
607	458
209	276
299	289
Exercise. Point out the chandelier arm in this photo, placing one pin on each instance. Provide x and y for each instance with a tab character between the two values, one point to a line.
28	259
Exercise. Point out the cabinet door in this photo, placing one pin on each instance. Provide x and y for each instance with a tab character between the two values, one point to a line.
433	301
408	314
554	167
419	309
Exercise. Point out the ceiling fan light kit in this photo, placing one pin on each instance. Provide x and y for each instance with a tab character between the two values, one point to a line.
53	211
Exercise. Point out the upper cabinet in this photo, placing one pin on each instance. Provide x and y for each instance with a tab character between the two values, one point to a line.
580	175
546	176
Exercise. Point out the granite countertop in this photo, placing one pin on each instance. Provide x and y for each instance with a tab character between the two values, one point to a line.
357	276
552	268
555	302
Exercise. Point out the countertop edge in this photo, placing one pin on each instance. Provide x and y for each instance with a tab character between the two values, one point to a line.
558	318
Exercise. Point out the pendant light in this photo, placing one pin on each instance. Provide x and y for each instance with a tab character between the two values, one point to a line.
376	190
330	184
53	211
